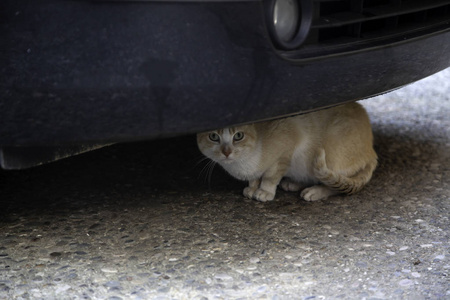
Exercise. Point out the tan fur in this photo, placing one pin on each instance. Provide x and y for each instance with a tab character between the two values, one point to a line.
328	152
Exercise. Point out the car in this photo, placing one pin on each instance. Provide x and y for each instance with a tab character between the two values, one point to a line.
77	75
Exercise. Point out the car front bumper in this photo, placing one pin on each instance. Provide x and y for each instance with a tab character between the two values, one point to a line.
77	72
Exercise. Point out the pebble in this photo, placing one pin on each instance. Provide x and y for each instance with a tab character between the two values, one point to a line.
62	288
223	276
426	245
112	284
254	260
440	257
262	289
107	270
406	282
415	274
390	253
403	248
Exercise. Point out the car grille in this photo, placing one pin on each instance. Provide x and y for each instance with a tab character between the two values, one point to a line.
342	26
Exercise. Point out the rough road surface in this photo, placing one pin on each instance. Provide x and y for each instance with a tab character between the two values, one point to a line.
141	221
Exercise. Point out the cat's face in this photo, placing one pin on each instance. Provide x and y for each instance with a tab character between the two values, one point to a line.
228	145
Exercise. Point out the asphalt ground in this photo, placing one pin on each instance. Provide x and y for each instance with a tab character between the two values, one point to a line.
149	221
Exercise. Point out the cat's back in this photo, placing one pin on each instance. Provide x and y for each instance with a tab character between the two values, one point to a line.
278	137
334	118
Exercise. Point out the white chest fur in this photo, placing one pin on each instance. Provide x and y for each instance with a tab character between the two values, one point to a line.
299	169
246	167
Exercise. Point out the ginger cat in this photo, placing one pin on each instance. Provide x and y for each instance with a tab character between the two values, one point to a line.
322	153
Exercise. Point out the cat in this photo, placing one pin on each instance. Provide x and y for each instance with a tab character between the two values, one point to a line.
321	154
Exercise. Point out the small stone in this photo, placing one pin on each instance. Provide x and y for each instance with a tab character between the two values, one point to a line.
55	254
112	284
262	289
426	245
390	253
173	259
415	274
435	166
406	282
107	270
223	276
62	288
416	152
440	257
403	248
254	260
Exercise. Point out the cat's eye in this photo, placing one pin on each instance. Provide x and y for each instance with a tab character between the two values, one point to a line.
214	137
238	136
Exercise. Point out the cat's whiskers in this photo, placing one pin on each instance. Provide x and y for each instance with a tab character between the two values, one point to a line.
207	169
202	159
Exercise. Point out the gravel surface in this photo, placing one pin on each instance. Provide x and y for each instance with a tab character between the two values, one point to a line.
148	221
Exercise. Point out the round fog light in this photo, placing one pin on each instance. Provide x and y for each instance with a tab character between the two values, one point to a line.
289	22
286	19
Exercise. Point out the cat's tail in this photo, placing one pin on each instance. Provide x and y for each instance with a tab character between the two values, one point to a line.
339	182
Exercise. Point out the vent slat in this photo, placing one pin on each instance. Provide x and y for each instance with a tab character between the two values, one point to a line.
407	7
375	13
343	26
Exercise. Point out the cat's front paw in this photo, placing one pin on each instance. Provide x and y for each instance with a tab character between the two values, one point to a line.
248	192
263	196
317	193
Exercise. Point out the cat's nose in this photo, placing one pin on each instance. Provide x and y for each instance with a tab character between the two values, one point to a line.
226	151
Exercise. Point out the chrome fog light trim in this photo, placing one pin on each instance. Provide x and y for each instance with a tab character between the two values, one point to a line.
288	22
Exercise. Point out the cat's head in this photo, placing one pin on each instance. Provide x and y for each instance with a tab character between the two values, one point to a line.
228	145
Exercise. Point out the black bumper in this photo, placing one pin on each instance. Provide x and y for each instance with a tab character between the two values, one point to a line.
80	72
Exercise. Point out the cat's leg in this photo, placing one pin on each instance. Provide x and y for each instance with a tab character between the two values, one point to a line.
289	185
266	191
253	185
318	192
269	182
